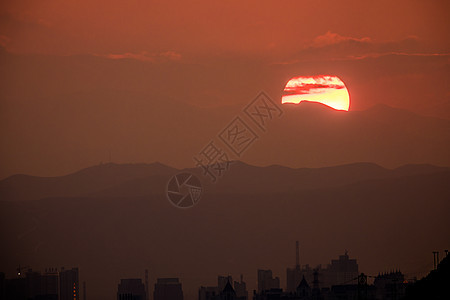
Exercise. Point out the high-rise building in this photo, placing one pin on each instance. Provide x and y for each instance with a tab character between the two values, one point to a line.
34	284
241	289
303	290
2	286
208	293
69	288
223	280
294	275
147	296
168	289
223	290
228	293
131	289
16	288
50	284
341	271
390	285
266	281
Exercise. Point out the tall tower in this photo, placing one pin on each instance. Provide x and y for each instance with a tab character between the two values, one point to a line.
146	284
294	275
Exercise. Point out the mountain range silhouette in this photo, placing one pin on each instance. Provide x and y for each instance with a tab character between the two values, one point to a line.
114	220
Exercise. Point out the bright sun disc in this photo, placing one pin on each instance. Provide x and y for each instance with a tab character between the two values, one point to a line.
326	89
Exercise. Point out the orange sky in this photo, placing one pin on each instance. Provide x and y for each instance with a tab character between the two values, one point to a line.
82	78
209	27
86	82
328	90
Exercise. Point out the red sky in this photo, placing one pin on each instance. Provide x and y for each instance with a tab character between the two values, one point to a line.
211	27
77	77
155	80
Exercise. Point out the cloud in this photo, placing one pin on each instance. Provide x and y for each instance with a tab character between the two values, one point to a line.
309	88
147	56
376	55
330	38
313	84
335	47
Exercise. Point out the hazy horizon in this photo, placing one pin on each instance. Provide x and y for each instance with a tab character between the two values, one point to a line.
94	93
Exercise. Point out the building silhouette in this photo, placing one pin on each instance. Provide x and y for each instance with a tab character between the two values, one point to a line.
31	285
228	293
223	289
241	289
2	286
390	285
304	291
266	281
294	275
168	289
434	285
69	287
131	289
340	271
16	288
50	284
208	293
222	281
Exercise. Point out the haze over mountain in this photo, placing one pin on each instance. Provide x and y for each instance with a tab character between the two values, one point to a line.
137	180
313	136
254	213
77	110
102	102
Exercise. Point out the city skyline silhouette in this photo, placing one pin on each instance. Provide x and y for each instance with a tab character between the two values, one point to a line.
224	150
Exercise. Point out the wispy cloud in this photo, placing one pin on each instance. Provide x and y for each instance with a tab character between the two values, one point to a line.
147	56
313	84
335	47
376	55
331	38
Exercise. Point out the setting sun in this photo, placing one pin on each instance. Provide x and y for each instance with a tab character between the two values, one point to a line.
326	89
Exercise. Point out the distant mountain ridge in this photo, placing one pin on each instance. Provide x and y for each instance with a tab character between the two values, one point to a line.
255	213
83	182
306	135
133	180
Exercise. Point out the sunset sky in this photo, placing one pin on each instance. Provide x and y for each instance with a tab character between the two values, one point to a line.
325	89
95	68
210	28
103	101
